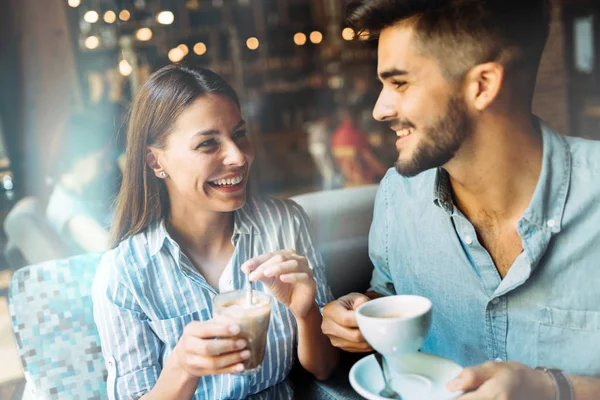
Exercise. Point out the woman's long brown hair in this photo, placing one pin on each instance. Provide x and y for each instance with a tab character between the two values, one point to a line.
143	197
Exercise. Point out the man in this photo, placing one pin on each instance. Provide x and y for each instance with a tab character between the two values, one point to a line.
489	213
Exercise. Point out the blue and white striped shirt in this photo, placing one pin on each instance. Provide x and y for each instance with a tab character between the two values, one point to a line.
146	291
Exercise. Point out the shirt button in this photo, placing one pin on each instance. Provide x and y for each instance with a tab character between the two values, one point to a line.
468	239
495	301
551	223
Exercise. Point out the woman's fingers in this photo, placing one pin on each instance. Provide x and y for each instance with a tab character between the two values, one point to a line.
208	365
271	257
297	277
214	347
279	266
211	329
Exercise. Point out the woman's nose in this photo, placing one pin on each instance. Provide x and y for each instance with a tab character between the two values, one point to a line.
234	155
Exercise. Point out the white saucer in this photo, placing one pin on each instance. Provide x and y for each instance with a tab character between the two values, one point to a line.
426	378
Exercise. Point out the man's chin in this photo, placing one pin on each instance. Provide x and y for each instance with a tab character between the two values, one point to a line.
409	168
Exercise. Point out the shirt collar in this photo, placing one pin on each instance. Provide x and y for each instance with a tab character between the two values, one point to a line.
550	196
244	223
548	202
442	194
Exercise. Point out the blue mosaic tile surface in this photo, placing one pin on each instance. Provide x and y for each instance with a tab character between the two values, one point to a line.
51	310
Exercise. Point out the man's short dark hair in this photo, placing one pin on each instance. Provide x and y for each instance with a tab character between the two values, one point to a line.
464	33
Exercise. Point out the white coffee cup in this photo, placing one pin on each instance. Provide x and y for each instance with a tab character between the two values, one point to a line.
395	326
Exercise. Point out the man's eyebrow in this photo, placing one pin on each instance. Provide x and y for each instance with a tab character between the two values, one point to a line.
391	73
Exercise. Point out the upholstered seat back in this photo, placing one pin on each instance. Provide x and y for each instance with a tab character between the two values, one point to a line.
51	310
341	220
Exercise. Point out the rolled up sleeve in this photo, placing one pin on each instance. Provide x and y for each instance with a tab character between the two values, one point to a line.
130	348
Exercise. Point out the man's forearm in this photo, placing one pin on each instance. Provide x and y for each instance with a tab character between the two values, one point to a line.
585	388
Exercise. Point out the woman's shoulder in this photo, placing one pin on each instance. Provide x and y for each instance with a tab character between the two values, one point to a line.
129	256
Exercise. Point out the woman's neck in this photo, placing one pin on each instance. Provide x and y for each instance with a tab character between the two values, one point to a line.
205	233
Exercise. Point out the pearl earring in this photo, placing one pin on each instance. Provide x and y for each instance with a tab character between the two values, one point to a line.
163	174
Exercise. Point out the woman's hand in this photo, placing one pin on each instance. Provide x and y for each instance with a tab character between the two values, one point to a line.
211	348
288	277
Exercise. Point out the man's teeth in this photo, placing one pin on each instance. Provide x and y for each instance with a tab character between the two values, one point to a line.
404	132
228	182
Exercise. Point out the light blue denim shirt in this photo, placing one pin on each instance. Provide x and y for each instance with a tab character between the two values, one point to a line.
546	311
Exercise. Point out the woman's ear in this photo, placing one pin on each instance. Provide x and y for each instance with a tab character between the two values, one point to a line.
153	161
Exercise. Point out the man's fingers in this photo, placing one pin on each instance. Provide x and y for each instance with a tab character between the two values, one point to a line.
213	347
471	378
352	335
337	313
359	301
350	347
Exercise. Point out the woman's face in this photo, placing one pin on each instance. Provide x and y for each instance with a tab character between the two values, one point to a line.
207	156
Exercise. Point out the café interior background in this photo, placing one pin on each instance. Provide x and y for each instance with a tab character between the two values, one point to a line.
293	63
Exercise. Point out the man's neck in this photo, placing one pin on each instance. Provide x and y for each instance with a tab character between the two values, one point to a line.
496	173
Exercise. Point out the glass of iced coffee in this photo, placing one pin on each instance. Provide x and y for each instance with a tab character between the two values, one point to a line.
253	320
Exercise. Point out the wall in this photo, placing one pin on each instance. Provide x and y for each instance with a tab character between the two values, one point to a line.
550	101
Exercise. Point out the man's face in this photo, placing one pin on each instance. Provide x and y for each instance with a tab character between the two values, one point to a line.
425	109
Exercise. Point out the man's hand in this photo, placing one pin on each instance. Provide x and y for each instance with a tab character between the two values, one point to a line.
339	323
503	380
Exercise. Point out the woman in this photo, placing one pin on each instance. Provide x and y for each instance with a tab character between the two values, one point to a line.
184	228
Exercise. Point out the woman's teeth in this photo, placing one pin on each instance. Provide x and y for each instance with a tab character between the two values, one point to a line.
404	132
228	182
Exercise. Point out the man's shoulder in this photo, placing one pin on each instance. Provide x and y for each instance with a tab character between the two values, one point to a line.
585	154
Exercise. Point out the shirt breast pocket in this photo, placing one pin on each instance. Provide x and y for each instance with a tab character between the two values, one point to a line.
569	340
170	330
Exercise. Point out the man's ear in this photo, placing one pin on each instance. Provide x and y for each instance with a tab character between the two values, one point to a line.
153	161
483	83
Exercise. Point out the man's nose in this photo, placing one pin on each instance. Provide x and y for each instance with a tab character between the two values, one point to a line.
384	109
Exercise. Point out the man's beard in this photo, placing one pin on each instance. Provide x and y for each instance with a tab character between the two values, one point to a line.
440	141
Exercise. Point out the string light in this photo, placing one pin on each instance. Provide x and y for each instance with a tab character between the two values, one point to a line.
252	43
199	48
125	68
91	17
316	37
165	17
92	42
110	17
184	49
74	3
144	34
348	34
124	15
300	39
176	54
